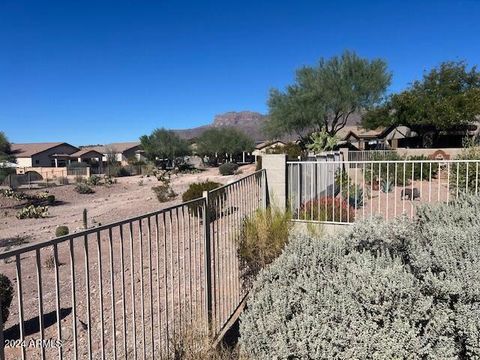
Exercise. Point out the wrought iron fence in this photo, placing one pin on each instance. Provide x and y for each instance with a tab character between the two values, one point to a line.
131	288
342	192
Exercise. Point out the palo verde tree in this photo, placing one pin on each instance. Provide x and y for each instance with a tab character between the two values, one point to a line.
447	98
325	96
225	140
163	144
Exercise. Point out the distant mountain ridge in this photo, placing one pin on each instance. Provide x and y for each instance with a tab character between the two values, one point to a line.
249	122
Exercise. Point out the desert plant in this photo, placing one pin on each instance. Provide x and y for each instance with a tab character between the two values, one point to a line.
322	141
12	194
227	169
85	218
61	231
63	180
49	261
164	193
327	208
83	188
79	179
386	185
195	190
32	212
122	171
94	180
6	296
463	176
262	239
109	181
400	289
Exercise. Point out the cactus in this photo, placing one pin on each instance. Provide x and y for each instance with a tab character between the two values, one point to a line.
33	212
84	218
386	186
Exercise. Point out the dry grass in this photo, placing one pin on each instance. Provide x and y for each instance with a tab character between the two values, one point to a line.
263	237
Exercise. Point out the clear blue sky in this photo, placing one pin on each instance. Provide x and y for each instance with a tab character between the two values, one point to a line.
102	71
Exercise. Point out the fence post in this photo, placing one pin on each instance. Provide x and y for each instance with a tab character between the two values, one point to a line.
208	261
2	340
275	166
264	190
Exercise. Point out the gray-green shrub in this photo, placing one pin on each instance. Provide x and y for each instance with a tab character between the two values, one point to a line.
83	188
6	296
228	169
61	230
404	289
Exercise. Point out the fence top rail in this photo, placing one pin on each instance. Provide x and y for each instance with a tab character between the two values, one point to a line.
61	239
432	161
258	172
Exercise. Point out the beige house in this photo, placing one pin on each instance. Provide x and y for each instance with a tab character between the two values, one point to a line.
43	154
121	152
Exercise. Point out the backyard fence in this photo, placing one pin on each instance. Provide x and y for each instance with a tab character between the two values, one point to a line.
368	155
133	288
342	192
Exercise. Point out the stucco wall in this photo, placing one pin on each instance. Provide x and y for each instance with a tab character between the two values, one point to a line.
24	162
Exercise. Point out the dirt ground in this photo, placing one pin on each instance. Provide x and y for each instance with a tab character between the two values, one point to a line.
130	197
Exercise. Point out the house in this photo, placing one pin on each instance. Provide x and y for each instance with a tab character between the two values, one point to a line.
43	154
264	147
121	152
381	138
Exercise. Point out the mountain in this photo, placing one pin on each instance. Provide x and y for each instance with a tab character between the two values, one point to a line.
248	121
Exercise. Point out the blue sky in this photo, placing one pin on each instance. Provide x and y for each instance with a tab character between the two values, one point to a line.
101	71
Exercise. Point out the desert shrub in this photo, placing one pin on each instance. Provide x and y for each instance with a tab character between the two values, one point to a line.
12	194
63	180
399	172
195	190
32	212
6	296
109	181
327	208
94	180
386	185
258	165
463	178
49	261
79	179
83	188
262	239
400	289
122	171
61	231
227	169
164	193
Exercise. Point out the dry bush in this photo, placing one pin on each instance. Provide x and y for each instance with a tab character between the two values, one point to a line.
263	237
194	344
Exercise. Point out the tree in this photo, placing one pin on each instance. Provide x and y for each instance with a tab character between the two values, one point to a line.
225	140
5	149
163	144
447	98
325	96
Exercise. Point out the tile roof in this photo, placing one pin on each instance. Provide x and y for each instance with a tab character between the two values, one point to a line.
28	150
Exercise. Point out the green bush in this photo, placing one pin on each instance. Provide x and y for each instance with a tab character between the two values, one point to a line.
61	231
83	188
228	169
196	190
262	239
400	289
164	193
32	212
292	150
398	172
6	296
51	199
463	179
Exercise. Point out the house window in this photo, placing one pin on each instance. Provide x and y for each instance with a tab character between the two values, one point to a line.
37	162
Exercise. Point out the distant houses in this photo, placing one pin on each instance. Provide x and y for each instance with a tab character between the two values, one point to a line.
62	154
